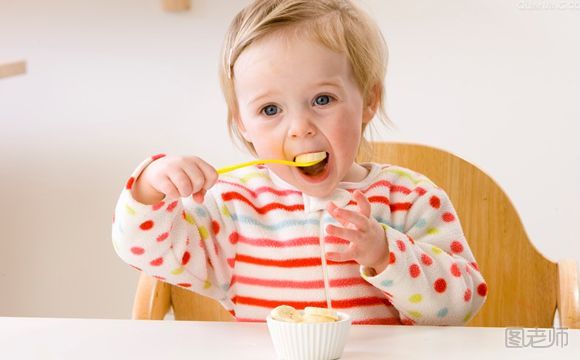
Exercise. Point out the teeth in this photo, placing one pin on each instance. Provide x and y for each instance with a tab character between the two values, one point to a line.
311	157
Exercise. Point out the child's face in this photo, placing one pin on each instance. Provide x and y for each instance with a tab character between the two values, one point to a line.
296	96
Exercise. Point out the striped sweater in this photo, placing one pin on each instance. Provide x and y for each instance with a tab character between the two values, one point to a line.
257	242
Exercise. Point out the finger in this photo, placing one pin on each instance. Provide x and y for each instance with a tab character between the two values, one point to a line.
166	187
331	208
209	172
362	203
339	256
195	176
355	218
346	234
199	196
182	182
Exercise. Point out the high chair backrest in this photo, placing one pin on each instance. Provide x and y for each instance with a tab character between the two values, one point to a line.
525	288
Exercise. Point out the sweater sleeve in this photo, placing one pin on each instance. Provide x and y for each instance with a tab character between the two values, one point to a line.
177	241
432	277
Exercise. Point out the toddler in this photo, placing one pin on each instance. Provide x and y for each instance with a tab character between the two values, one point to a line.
379	242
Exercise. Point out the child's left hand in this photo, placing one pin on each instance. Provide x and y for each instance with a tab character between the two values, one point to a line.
368	241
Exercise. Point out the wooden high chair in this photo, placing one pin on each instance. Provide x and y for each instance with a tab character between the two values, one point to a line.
524	288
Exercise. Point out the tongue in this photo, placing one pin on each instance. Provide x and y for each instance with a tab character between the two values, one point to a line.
314	169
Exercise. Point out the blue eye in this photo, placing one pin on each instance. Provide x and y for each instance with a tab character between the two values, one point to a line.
322	100
270	110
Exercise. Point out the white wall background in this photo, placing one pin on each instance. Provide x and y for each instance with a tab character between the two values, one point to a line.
111	82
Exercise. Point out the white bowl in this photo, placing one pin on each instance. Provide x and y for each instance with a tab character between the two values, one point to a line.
309	341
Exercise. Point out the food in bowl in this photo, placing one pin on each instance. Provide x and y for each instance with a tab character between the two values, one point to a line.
312	333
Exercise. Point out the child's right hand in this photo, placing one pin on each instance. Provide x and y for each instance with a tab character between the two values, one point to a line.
174	176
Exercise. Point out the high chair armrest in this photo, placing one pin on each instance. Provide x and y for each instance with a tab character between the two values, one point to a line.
568	295
152	299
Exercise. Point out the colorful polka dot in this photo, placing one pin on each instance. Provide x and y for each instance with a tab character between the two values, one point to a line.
147	225
177	271
448	217
436	250
158	206
171	206
157	262
234	238
137	250
475	266
226	212
185	285
130	210
156	157
401	245
130	183
207	284
163	236
420	223
440	285
387	282
442	313
414	270
482	289
185	258
415	314
411	240
187	216
467	295
426	259
200	212
215	227
435	202
432	231
455	270
203	232
415	298
392	258
456	247
467	317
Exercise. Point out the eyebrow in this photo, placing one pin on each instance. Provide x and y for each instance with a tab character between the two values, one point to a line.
329	83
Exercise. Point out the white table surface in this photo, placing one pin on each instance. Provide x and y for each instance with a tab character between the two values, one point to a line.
49	338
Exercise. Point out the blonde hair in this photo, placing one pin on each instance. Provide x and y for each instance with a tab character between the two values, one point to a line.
339	25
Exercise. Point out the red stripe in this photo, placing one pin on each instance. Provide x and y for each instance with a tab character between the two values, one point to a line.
379	199
373	199
389	185
233	195
289	263
315	284
300	241
420	191
336	304
262	189
400	206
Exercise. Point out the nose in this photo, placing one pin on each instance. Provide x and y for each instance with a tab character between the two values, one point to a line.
301	126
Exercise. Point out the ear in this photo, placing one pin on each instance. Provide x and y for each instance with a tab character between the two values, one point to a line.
371	106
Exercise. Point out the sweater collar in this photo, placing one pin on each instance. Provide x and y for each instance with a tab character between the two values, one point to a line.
341	195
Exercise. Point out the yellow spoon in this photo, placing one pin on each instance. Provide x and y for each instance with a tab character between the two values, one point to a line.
301	161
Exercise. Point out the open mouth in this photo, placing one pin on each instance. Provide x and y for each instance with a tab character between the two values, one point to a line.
315	169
